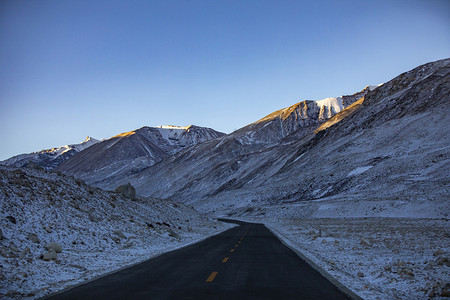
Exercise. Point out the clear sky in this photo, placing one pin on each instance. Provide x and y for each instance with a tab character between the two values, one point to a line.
69	69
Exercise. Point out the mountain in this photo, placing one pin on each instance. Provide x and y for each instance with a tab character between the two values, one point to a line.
304	115
48	159
213	166
392	143
130	152
387	154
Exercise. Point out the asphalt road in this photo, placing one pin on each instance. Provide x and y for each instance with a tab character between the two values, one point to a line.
245	262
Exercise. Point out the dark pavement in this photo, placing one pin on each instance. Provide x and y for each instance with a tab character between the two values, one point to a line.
245	262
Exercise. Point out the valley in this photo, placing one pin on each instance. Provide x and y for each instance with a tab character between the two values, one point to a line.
357	185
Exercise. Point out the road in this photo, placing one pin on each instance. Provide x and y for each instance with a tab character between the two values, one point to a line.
245	262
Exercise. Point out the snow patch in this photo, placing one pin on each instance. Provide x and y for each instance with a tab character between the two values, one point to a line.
358	171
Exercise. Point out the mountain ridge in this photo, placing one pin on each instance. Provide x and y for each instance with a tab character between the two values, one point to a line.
240	170
130	152
49	159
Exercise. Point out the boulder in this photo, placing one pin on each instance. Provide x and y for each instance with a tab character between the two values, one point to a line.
11	219
51	254
119	234
127	190
55	246
33	237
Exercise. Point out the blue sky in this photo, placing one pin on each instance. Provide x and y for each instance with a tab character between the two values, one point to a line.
69	69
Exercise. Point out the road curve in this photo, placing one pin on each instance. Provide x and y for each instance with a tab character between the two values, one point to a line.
244	262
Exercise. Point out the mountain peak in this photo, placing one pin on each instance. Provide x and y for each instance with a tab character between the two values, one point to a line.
90	139
172	127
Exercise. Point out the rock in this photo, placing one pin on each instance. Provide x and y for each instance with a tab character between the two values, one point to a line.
119	234
5	252
11	219
127	190
360	274
438	252
1	235
93	218
33	237
77	267
406	273
446	291
51	254
55	246
440	261
128	245
173	234
12	294
48	229
366	243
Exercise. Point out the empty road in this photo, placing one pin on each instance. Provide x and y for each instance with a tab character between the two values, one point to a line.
245	262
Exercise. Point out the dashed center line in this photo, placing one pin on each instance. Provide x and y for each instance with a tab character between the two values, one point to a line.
211	277
235	246
225	259
232	250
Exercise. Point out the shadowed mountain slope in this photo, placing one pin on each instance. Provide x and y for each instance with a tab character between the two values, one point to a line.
228	162
48	159
392	143
130	152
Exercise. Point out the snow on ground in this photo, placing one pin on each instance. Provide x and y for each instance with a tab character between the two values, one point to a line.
380	250
378	258
99	231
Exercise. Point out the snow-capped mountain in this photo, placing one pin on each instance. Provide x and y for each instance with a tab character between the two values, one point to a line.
108	165
129	152
50	158
403	124
304	115
180	137
387	154
214	165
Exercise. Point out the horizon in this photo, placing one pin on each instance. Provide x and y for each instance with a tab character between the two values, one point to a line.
71	70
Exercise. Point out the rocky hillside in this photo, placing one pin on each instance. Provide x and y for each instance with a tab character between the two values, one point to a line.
392	143
227	162
56	230
130	152
48	159
305	115
385	155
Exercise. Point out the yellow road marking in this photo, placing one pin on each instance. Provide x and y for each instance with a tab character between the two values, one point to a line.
235	246
232	250
211	277
225	259
239	242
